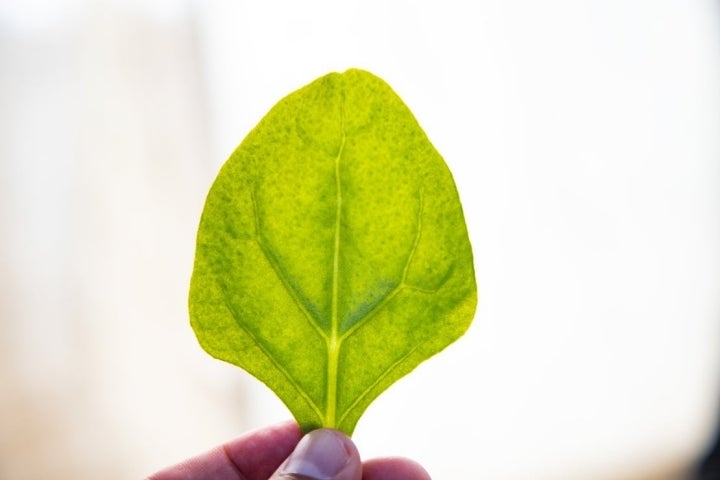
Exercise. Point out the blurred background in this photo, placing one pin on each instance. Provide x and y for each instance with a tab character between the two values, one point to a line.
583	136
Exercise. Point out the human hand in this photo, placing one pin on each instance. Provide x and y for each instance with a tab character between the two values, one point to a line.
282	453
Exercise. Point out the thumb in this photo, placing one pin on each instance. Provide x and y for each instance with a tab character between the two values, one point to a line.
323	454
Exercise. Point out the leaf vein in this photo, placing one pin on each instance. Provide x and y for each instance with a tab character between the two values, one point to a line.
282	274
377	381
334	341
373	311
266	351
418	232
403	280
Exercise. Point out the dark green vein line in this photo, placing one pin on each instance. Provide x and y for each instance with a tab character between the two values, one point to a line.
401	284
281	274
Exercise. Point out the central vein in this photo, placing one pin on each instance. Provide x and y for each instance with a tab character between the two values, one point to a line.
334	340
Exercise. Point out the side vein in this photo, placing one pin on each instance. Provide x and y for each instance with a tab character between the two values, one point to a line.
379	379
263	347
280	272
403	280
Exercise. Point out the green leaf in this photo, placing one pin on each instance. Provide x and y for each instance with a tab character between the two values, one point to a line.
332	254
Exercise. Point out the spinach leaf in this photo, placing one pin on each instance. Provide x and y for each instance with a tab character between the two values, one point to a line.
332	254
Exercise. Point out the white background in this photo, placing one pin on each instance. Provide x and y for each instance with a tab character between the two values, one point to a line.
583	136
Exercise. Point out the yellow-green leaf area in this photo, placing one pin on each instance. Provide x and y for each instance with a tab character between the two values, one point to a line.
332	254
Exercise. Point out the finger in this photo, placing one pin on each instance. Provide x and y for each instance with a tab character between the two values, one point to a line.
393	469
253	456
323	454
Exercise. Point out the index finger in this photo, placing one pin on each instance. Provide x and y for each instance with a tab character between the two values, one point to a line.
253	456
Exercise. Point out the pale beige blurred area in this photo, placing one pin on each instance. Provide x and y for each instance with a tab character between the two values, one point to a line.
582	136
105	164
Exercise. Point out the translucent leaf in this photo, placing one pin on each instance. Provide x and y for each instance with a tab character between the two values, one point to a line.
332	254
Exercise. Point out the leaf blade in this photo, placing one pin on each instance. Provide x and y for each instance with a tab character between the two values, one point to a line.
340	230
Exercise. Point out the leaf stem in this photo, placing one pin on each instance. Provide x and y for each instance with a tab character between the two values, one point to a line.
331	408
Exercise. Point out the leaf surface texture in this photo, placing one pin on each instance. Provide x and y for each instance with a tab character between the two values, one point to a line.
332	254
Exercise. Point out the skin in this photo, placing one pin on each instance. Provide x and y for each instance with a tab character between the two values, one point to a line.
256	455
